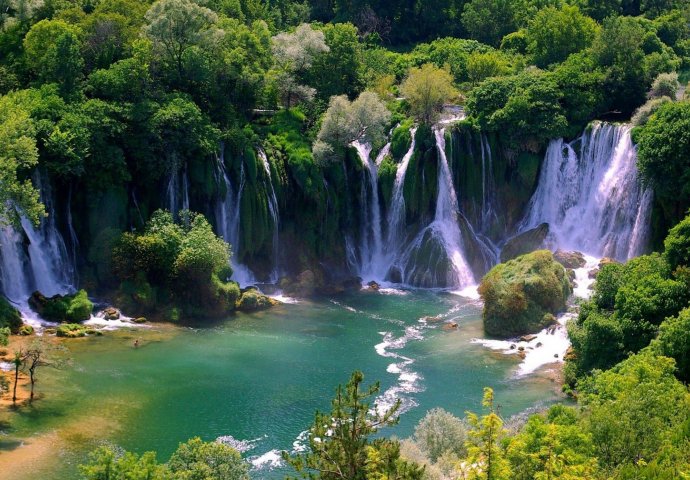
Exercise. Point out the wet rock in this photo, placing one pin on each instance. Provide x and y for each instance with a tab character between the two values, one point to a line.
252	300
139	320
450	326
374	286
513	346
111	313
521	348
527	338
606	261
570	259
352	284
26	330
593	273
525	242
522	354
539	344
555	355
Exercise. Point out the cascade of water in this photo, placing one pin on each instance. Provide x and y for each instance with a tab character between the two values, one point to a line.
35	258
396	215
488	213
594	202
228	218
74	240
177	192
273	210
372	259
435	258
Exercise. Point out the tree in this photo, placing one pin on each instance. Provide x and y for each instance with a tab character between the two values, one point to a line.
345	122
196	459
674	342
37	355
17	361
294	54
337	71
664	156
485	65
427	89
112	463
555	33
490	20
340	443
485	457
664	85
175	26
677	244
18	153
439	432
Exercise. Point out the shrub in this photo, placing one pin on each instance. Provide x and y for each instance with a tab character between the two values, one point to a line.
677	244
664	85
440	432
71	330
519	294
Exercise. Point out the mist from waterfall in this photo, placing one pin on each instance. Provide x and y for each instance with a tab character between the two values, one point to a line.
591	196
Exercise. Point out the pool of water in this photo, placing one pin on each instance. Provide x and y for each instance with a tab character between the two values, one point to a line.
261	377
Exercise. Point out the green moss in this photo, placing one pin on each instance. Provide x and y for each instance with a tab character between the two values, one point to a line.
401	140
387	172
251	300
421	180
521	296
9	316
26	330
71	330
62	308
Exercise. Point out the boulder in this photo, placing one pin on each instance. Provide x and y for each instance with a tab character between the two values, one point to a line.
374	286
139	320
570	259
71	330
9	316
527	338
26	330
525	242
62	308
522	295
252	300
111	313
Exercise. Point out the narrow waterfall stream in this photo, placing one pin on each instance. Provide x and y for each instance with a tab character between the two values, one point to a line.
591	196
272	202
177	191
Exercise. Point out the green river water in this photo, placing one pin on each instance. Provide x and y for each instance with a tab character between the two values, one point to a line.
260	377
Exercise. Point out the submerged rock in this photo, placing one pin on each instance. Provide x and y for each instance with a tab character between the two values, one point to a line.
522	295
570	259
252	300
525	242
62	308
71	330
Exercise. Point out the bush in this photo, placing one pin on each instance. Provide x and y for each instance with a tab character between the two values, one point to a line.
9	316
664	85
62	308
79	308
520	295
642	114
674	342
677	244
440	432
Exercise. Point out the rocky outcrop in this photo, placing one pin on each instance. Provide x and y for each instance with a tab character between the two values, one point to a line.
9	316
252	300
62	308
522	295
526	242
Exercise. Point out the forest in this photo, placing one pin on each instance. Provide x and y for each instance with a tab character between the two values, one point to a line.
170	156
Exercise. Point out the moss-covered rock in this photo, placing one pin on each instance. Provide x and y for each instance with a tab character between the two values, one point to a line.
26	330
522	295
9	316
71	330
570	259
62	308
252	300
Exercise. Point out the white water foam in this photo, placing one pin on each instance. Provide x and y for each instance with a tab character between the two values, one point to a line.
268	461
241	446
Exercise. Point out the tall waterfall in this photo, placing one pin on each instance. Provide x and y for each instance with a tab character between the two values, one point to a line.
35	258
436	257
177	191
372	261
272	202
396	215
227	213
593	201
488	212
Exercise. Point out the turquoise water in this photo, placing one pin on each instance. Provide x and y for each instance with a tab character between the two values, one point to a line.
260	377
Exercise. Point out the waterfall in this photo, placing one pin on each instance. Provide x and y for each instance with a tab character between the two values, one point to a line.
592	197
396	215
272	202
228	218
488	212
74	241
435	258
177	191
373	264
35	258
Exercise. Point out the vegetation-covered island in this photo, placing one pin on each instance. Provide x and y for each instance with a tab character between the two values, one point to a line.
471	215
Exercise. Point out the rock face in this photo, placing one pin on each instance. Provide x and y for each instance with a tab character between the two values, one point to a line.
62	308
526	242
252	300
522	295
570	259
